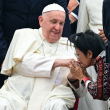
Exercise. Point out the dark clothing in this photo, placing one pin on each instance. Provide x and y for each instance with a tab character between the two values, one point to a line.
17	14
106	27
74	25
76	10
2	79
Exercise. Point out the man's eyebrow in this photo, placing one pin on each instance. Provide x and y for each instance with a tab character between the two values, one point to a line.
51	19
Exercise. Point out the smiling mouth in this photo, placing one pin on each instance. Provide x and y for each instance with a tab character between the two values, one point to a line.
55	32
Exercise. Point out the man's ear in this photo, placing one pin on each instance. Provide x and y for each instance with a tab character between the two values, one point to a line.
40	20
89	54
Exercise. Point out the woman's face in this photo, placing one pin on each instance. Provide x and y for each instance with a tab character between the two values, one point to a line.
85	60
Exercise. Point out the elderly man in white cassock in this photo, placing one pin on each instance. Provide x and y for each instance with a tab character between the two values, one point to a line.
37	63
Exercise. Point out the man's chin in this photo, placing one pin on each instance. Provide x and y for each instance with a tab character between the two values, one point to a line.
54	38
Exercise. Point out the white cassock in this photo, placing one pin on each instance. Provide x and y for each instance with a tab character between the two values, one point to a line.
32	85
90	17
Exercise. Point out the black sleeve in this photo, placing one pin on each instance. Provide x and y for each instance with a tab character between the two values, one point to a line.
3	43
76	10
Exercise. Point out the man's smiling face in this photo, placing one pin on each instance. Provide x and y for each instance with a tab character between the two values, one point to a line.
52	25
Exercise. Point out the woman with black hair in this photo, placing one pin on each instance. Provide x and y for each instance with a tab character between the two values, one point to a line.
90	50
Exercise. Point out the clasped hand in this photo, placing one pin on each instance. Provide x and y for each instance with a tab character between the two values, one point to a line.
76	71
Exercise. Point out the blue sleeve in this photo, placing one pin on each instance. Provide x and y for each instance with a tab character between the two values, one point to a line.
106	18
3	43
106	24
75	11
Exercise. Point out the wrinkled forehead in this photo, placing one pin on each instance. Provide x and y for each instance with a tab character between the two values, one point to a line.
54	14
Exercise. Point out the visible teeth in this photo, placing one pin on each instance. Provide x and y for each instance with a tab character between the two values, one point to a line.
55	32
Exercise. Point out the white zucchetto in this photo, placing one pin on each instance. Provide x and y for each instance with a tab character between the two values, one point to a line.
53	7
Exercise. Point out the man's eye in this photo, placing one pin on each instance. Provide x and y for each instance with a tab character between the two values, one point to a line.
53	22
61	24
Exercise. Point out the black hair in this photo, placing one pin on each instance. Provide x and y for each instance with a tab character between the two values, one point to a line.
88	41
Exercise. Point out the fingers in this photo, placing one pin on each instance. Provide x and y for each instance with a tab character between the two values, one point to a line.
72	18
105	40
72	69
102	35
75	63
101	32
66	62
72	64
100	29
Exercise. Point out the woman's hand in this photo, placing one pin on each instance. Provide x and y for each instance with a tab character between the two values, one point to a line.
76	70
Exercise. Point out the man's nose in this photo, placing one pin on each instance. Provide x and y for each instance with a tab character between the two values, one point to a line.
57	27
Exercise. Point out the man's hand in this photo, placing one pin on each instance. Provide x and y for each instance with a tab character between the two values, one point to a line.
72	5
61	62
102	35
72	18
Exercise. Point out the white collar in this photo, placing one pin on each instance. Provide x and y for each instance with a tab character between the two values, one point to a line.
43	38
102	53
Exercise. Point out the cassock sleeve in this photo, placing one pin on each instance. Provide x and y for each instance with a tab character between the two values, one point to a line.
35	65
79	92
